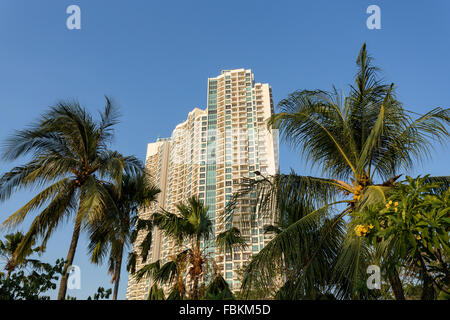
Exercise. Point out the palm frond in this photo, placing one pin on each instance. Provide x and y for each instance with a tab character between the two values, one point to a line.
155	293
287	192
230	239
50	194
351	265
297	248
149	270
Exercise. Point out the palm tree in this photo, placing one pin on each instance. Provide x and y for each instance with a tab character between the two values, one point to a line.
189	226
114	231
7	249
70	159
362	143
192	224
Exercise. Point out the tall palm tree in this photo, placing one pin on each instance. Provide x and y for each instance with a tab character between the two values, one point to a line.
69	159
362	143
7	249
114	230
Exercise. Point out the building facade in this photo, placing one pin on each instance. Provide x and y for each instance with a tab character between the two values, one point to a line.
208	155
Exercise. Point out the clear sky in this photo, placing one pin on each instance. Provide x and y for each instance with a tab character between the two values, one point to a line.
154	58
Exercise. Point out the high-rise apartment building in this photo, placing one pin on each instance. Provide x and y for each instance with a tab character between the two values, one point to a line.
208	155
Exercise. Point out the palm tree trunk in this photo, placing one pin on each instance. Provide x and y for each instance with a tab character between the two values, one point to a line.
117	272
396	284
428	292
195	289
10	268
69	260
197	262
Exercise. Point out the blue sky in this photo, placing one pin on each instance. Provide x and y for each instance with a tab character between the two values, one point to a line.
154	58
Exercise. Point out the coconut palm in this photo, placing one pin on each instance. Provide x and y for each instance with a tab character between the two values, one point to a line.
362	143
191	223
114	231
7	249
69	159
189	226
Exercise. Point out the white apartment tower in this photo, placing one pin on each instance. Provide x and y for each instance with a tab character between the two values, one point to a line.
208	155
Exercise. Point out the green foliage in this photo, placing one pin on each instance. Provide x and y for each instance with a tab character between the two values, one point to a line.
260	288
218	289
191	222
413	225
289	292
116	228
156	293
230	239
32	285
7	251
102	293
